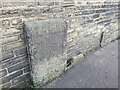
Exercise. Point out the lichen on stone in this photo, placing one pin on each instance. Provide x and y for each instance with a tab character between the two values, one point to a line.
48	70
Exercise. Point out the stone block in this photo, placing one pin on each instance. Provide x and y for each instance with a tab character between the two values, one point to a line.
107	38
21	85
13	46
11	31
70	31
87	12
72	35
13	11
47	50
7	55
12	62
9	39
21	79
16	21
96	15
6	23
104	21
11	76
6	85
21	51
3	73
27	69
18	66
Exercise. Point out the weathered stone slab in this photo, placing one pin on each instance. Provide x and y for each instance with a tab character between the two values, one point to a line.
47	39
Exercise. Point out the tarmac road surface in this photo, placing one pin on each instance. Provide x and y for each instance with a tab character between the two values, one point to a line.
98	70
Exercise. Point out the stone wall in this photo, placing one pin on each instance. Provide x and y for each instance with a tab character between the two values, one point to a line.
90	25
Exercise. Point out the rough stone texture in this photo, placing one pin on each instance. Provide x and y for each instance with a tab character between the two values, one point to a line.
90	25
14	75
46	40
3	73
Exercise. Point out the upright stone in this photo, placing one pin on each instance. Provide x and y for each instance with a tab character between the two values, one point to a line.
47	48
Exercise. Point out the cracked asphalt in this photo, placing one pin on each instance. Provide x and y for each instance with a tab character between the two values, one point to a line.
98	70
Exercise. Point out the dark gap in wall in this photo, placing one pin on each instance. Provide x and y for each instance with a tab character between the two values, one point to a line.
68	5
101	38
69	62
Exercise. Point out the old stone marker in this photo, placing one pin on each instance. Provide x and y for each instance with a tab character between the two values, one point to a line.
47	47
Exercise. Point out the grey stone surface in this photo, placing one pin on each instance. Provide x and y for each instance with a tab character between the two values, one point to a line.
12	62
3	73
7	85
7	55
20	79
18	66
11	76
21	51
47	39
27	69
21	85
111	32
98	70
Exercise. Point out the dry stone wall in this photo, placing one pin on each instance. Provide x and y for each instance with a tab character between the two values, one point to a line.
90	25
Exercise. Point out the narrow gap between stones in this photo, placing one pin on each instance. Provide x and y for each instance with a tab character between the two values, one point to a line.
69	62
101	38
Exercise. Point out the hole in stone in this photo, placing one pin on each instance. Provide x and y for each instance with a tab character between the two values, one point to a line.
69	62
